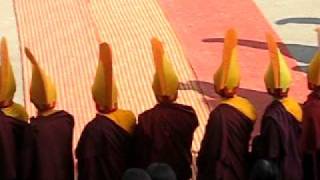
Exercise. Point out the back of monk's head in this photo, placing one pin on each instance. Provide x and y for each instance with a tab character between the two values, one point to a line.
264	170
136	174
161	171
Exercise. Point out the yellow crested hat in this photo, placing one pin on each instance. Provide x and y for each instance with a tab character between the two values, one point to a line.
278	75
314	70
165	82
228	74
104	90
42	90
7	80
314	66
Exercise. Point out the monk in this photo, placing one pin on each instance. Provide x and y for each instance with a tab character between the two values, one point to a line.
104	147
311	123
52	130
13	122
224	148
281	122
164	133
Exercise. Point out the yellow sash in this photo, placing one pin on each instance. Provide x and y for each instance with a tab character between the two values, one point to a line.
123	118
243	105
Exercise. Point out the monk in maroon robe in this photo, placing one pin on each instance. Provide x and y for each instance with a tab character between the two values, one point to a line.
52	130
104	147
311	137
13	121
103	150
53	158
279	138
164	134
280	135
311	122
224	148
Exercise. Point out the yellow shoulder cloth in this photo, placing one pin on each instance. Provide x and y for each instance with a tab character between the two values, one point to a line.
243	105
123	118
16	111
293	107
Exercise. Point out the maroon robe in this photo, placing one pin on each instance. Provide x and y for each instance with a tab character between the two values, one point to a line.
52	156
164	134
311	137
279	141
8	169
12	147
103	150
224	148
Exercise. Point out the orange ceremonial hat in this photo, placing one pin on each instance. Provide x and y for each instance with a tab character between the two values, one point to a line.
278	75
314	70
228	74
314	67
7	80
42	91
165	82
104	90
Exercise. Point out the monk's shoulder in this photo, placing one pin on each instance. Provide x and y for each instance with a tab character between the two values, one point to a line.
293	108
66	116
16	111
58	117
312	105
125	119
242	105
185	108
95	123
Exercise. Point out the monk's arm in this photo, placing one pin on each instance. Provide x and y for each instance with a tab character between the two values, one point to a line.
211	143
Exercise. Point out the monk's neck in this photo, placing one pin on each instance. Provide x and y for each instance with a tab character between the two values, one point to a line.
47	112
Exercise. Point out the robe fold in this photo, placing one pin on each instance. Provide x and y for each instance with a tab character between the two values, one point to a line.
279	141
52	141
311	137
12	147
164	134
224	148
103	150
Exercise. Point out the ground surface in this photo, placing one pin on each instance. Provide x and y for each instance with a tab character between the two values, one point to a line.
62	35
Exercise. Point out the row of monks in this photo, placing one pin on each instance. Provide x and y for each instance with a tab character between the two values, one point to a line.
113	141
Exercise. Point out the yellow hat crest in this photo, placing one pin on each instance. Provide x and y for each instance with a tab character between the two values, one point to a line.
104	90
278	75
228	74
42	90
165	82
7	80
